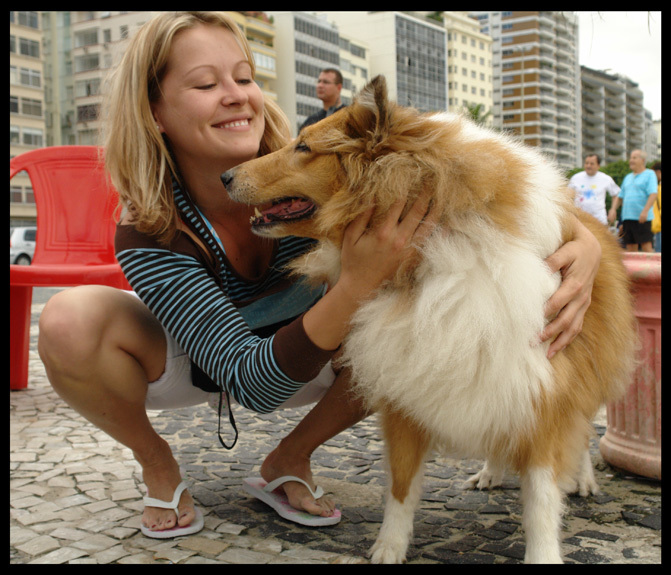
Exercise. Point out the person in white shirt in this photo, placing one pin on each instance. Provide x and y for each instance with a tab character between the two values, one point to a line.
591	186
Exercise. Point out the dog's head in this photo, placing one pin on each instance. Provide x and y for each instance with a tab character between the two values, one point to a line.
362	155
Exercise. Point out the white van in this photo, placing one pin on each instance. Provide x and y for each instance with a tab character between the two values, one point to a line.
22	245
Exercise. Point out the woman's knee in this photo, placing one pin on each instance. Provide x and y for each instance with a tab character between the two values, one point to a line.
70	324
82	326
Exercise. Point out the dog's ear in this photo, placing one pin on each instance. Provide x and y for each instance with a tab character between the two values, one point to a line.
370	113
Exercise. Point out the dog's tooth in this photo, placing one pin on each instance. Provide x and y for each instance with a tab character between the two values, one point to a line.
257	212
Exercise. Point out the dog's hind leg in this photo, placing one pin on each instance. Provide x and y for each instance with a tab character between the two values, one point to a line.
490	476
543	508
407	445
583	481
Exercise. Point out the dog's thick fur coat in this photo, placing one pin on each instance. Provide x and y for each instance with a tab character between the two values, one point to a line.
448	351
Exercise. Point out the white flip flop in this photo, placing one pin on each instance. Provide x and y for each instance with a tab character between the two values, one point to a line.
194	527
266	492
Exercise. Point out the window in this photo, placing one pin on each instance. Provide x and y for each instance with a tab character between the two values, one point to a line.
358	51
33	137
31	107
264	61
86	38
32	78
29	19
15	195
90	87
87	62
87	113
29	48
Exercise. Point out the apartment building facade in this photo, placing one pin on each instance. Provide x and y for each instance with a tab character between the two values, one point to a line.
259	30
354	66
27	125
612	115
469	65
308	44
536	79
410	51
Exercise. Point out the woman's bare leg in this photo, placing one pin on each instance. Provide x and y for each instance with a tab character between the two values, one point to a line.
100	347
336	411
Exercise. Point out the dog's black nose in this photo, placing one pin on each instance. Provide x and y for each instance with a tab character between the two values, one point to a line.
227	177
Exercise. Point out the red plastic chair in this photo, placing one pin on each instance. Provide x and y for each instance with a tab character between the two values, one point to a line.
75	236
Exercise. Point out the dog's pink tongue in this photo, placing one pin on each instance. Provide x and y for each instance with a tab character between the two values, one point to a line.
288	207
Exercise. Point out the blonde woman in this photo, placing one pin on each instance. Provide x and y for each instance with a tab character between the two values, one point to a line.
212	309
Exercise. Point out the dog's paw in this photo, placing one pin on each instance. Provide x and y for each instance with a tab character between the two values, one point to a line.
487	478
387	553
584	485
583	482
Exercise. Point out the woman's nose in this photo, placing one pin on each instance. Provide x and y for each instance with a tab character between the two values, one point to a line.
233	95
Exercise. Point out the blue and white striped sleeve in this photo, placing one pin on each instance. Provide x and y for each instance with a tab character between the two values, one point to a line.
199	315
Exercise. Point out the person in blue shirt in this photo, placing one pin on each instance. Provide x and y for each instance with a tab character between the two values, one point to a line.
637	196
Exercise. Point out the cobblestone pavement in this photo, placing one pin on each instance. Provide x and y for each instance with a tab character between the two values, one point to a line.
76	496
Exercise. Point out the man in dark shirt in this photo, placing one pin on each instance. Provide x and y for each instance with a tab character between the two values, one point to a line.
329	86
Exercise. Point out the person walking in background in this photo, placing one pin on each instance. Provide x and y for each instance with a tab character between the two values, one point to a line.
591	186
329	86
637	196
657	209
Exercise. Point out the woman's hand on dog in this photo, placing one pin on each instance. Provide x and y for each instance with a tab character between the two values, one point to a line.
372	254
578	260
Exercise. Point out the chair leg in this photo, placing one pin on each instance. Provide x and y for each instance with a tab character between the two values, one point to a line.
20	299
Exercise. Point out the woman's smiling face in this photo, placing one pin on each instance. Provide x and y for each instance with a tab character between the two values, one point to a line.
210	107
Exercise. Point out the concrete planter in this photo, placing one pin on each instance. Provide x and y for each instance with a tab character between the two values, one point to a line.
633	439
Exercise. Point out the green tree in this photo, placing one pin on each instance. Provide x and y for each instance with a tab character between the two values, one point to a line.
617	170
475	113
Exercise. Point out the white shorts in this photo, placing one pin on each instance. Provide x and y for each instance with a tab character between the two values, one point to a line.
174	389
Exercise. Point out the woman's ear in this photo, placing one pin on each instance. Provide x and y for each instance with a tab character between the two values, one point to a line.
157	122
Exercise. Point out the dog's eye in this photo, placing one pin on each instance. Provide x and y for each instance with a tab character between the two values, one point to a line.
302	147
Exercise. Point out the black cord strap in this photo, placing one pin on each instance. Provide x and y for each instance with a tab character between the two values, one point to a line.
230	419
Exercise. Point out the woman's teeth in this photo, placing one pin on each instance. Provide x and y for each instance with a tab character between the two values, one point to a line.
235	124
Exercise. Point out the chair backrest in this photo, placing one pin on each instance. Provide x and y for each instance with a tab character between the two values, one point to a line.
75	204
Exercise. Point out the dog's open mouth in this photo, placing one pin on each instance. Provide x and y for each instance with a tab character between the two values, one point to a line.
283	210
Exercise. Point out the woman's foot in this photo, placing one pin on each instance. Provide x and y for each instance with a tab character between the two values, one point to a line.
161	476
279	464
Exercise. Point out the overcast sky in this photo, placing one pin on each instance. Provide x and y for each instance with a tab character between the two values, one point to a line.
627	43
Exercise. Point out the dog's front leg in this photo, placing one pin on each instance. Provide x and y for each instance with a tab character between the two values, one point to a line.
406	446
543	508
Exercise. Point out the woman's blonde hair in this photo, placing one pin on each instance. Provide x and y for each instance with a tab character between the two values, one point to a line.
136	155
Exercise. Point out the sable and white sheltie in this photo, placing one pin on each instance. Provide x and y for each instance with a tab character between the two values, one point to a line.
448	351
